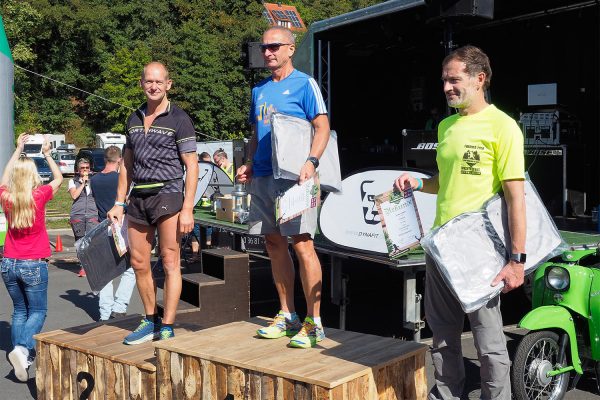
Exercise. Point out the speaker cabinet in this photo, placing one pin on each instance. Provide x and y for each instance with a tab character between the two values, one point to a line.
462	8
253	56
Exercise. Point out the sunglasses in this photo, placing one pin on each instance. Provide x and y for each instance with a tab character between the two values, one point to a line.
273	47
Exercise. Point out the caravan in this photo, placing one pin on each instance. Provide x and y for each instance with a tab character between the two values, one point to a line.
104	140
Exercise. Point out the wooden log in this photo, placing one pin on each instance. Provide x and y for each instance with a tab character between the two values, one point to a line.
176	376
419	377
91	367
192	378
135	383
55	371
288	389
65	374
221	373
302	391
267	389
120	392
73	372
40	370
236	382
163	374
126	376
254	383
340	392
99	378
209	376
149	385
358	389
321	393
110	380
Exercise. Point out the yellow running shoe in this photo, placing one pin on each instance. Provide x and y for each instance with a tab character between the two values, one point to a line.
281	327
309	335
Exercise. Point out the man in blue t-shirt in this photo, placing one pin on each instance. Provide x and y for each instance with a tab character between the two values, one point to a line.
290	92
104	187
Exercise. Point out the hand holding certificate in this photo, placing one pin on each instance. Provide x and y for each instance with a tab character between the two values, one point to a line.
400	221
296	200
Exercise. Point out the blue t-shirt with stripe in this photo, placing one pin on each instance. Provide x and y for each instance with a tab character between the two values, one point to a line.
297	95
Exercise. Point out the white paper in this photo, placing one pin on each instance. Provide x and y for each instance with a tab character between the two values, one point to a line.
119	234
296	200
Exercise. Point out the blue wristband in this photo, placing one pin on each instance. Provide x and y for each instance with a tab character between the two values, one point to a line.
118	203
420	184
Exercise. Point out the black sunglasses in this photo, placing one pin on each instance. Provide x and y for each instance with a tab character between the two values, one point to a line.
273	47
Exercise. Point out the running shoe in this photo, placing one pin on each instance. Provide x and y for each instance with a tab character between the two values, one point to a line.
309	335
166	332
146	331
280	327
81	273
18	358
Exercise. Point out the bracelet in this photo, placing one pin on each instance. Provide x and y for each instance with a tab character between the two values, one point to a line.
118	203
420	184
248	162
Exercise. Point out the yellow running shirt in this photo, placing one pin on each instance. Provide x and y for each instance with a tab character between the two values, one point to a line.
474	155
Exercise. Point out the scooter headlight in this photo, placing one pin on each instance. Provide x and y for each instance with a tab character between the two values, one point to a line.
557	278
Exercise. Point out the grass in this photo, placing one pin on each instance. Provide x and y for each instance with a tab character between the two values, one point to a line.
60	204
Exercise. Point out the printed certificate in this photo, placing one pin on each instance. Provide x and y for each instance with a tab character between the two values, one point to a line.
400	221
296	200
119	234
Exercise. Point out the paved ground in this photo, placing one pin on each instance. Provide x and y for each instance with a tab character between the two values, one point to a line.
71	303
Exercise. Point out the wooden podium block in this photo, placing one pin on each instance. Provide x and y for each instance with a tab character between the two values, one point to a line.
91	362
231	362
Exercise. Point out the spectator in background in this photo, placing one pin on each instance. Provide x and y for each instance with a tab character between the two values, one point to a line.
84	213
196	237
433	120
220	158
204	156
104	186
26	250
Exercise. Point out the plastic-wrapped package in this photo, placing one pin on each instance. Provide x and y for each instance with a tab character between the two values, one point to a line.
99	257
469	254
543	239
472	248
291	138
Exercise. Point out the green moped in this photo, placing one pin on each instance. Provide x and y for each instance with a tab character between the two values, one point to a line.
564	325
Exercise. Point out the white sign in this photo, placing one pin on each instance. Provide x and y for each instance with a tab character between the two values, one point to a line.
350	218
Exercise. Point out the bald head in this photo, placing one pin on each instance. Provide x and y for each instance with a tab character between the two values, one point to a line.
287	34
155	65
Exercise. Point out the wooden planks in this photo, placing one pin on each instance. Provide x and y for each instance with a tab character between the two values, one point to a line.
91	362
229	362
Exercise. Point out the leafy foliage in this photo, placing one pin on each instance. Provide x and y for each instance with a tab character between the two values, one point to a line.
100	46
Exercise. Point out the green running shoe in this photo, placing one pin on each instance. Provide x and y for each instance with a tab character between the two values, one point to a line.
281	327
309	335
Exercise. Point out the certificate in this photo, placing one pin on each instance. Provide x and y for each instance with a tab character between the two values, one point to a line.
296	200
119	234
400	221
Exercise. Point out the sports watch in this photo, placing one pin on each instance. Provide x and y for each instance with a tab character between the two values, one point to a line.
314	161
519	258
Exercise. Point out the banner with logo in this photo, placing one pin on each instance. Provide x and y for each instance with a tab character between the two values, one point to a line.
350	218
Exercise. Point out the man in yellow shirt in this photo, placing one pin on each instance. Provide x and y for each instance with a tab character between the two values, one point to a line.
479	153
220	158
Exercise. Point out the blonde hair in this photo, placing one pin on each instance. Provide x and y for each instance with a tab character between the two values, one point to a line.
17	201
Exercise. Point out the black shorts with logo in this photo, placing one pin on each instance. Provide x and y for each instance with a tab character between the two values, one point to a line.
147	209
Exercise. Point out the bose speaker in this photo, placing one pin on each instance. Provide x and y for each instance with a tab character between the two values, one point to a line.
462	8
253	56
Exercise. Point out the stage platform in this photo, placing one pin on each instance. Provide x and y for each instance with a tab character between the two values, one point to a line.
91	362
231	362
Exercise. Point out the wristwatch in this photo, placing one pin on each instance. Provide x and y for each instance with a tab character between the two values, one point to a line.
519	258
314	161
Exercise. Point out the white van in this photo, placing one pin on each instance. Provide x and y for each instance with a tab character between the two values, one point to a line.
33	147
104	140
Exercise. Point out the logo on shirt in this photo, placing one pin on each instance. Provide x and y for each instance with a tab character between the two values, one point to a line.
260	97
286	92
471	160
264	113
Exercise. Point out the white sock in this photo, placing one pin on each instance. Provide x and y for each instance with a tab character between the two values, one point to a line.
317	321
289	316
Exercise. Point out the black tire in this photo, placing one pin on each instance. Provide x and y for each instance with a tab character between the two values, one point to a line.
537	353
